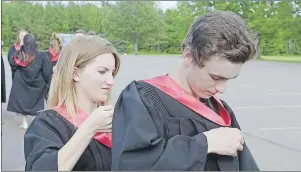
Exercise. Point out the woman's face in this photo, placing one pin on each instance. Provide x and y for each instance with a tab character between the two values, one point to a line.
95	80
21	37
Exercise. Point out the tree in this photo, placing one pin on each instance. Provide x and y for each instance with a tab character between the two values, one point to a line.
132	21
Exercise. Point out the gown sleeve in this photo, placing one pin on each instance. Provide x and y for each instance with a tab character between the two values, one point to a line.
10	58
246	160
47	67
42	141
136	144
10	53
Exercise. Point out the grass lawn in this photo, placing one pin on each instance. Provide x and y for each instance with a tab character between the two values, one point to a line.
154	54
268	58
282	58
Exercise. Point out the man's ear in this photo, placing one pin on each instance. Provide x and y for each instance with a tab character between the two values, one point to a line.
187	57
75	74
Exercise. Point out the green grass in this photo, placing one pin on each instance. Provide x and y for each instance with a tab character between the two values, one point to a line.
282	58
154	53
268	58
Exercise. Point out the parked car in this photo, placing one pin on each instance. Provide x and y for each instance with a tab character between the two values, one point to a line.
66	38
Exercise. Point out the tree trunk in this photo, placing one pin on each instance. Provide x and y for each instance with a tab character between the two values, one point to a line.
136	44
136	48
158	46
258	46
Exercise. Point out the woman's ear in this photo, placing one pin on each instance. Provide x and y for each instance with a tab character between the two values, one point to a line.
75	76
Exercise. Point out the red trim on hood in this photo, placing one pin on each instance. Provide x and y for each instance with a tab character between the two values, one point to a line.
170	87
103	138
54	55
17	46
21	63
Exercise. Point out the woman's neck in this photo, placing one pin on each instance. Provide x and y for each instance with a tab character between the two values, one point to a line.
84	104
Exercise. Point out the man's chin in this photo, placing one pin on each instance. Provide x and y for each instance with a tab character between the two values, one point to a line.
205	95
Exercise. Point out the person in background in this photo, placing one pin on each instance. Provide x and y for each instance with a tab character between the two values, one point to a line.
80	32
53	53
175	122
75	132
32	72
16	47
55	48
3	82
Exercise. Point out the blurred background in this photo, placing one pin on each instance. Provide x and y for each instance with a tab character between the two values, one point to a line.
152	26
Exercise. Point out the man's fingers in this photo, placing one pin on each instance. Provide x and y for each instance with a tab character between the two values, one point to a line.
240	148
242	141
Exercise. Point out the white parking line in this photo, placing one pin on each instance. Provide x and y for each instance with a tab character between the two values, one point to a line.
282	128
264	107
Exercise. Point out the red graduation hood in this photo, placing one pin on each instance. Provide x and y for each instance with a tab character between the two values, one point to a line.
103	138
17	46
54	55
171	88
22	63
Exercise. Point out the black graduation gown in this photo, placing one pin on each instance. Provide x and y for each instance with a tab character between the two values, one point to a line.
48	84
29	84
47	134
153	131
3	86
10	54
50	56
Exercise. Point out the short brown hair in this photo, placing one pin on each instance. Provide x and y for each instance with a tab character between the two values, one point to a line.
222	33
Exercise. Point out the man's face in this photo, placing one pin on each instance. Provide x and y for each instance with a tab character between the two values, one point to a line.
211	78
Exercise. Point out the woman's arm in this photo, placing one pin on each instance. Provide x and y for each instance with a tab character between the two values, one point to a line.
69	154
46	144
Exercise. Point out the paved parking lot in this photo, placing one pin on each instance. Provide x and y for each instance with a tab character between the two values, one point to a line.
266	98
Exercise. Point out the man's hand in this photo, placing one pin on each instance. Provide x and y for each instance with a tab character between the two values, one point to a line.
225	141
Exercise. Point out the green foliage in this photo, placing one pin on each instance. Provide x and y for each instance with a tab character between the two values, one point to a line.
134	26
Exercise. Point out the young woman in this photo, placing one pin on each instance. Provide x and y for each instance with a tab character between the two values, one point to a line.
32	71
16	47
53	53
73	133
55	48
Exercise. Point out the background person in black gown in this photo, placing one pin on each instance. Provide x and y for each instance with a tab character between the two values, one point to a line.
3	82
32	72
53	53
16	47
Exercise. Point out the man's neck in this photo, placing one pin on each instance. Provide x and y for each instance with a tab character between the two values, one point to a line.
179	76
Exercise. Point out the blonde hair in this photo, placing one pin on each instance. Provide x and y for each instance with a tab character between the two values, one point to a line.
78	53
18	39
56	42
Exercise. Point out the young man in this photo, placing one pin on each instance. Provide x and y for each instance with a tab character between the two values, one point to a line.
175	121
